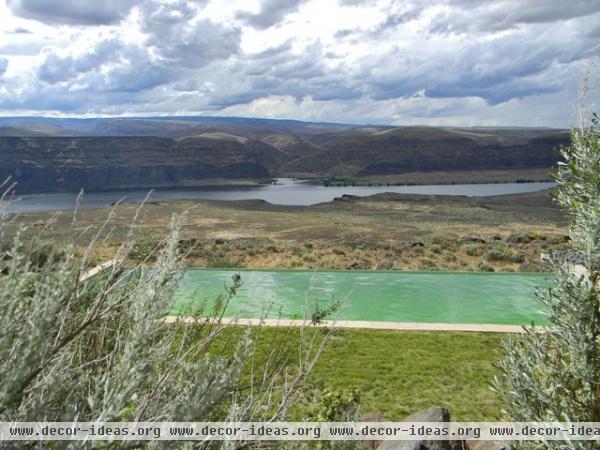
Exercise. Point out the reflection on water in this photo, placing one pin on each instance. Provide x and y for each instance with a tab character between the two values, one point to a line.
286	192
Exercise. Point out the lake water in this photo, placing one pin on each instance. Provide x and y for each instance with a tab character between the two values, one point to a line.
431	297
286	192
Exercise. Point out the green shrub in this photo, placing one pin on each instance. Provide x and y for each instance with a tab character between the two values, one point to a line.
336	406
449	257
508	255
309	258
473	249
529	267
427	264
385	264
101	350
536	236
485	266
554	376
520	238
222	262
417	251
319	314
297	250
435	248
38	253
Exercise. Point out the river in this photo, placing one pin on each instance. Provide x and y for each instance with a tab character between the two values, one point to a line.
287	191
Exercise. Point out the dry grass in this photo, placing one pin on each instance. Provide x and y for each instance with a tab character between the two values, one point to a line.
383	232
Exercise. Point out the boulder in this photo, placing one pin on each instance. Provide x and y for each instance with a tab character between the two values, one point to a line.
483	445
400	445
434	414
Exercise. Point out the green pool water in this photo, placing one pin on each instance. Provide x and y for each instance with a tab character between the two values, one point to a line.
434	297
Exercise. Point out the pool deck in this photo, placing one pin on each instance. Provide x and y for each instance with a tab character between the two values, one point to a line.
360	324
96	270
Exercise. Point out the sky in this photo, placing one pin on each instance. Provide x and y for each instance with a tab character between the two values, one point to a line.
397	62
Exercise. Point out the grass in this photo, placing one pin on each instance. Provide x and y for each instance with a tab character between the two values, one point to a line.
397	372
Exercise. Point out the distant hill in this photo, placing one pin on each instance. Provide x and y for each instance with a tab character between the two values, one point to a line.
365	152
50	154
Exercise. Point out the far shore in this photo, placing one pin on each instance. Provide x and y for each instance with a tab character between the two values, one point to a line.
434	178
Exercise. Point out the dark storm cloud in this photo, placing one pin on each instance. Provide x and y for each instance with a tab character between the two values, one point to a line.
495	15
181	40
109	66
55	68
53	98
75	12
594	32
175	42
497	70
131	77
188	44
271	13
465	16
280	71
180	58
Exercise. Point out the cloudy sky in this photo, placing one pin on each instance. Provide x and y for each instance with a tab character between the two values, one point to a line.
433	62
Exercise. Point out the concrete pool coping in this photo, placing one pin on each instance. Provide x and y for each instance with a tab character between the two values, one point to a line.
96	270
360	324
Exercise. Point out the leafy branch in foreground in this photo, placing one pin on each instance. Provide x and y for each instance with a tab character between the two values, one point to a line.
555	375
100	349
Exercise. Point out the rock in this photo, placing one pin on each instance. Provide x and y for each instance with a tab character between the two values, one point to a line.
372	416
400	445
434	414
483	445
346	198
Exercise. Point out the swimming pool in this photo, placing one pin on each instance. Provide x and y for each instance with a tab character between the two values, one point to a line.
429	297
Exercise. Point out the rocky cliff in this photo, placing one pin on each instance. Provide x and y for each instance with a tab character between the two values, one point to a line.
66	155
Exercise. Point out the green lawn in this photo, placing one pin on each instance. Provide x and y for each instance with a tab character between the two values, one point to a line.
399	372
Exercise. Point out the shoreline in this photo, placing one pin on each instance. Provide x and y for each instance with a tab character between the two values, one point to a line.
273	182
